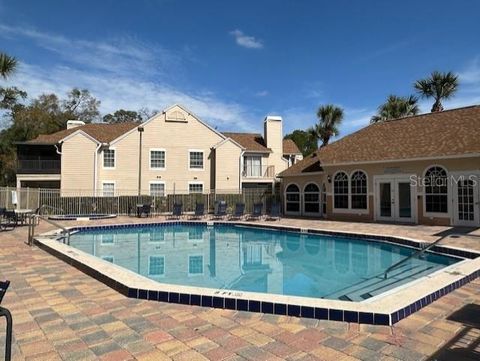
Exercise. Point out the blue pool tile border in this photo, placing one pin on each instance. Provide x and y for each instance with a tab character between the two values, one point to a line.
240	304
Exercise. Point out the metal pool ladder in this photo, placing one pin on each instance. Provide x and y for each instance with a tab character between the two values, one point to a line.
33	220
415	254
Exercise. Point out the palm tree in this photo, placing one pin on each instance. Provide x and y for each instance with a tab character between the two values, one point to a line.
396	107
330	117
8	65
438	86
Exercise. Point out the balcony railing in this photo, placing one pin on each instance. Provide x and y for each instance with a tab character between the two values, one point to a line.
42	166
258	171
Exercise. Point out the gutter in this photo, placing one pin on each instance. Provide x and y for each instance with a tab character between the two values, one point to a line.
240	171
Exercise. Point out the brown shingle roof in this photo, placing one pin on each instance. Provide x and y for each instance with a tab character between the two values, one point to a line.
252	142
104	133
289	147
449	133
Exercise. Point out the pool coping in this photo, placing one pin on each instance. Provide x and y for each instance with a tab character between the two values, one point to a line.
385	309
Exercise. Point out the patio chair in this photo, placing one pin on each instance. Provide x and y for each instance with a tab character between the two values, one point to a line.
220	210
199	211
239	211
177	211
146	210
9	220
274	213
8	316
257	211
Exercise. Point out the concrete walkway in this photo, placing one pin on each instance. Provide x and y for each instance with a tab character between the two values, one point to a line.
62	314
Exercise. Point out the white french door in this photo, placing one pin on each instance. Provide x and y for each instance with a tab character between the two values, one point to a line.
395	199
466	201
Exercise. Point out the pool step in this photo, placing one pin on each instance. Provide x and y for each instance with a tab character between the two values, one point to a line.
378	285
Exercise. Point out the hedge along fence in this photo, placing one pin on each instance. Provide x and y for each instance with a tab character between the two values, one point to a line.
123	203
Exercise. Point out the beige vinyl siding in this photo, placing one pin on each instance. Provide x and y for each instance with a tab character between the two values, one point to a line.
227	171
177	138
78	159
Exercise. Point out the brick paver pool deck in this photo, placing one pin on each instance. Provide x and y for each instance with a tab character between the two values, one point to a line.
62	314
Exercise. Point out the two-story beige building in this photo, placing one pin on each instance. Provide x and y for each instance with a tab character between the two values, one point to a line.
174	151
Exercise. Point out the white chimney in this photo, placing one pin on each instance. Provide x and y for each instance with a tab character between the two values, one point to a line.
74	123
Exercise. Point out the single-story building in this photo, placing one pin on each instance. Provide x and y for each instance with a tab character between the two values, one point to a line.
421	169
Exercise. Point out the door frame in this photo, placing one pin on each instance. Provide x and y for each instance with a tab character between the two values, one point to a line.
394	180
476	198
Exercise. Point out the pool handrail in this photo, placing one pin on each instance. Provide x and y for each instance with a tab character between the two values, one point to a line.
33	220
415	254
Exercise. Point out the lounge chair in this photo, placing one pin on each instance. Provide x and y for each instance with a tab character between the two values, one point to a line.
8	220
274	213
239	211
257	211
177	211
8	316
220	210
199	211
145	209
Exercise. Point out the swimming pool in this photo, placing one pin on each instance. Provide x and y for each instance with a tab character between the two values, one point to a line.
299	272
79	217
239	258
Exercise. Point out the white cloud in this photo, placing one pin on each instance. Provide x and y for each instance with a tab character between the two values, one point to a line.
246	41
262	93
120	74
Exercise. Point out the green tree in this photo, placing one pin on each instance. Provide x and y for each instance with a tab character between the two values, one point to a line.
122	116
81	105
396	107
43	115
439	86
8	65
330	116
304	141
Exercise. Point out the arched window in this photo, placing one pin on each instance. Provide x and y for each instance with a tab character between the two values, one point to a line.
312	198
292	198
358	186
340	190
436	190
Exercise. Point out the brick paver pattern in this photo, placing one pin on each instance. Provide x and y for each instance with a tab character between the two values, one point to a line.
62	314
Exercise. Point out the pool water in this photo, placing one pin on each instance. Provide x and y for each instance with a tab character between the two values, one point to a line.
258	260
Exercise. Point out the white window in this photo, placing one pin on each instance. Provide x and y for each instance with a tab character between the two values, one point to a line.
436	190
108	189
292	199
252	166
156	265
157	189
196	159
195	265
340	191
109	158
195	187
157	159
358	187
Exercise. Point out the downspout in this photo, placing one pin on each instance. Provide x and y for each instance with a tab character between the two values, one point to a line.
95	166
241	171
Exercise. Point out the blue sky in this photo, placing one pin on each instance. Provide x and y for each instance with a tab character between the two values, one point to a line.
233	62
